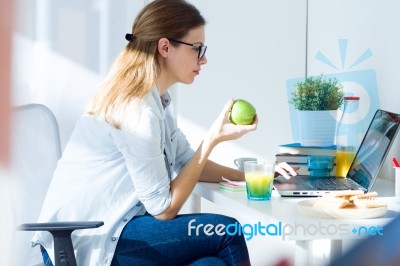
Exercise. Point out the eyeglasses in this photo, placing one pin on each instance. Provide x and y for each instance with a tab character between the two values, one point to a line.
199	48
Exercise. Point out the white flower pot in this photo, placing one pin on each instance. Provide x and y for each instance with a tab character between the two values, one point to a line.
317	128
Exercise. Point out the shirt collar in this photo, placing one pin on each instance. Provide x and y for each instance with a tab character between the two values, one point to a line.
165	99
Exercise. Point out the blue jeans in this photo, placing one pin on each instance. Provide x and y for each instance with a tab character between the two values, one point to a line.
148	241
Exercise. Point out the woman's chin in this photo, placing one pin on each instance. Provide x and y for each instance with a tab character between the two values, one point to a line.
187	81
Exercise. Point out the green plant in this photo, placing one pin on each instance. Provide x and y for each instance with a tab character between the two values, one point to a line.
317	93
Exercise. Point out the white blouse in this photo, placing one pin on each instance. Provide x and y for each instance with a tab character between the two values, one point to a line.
111	175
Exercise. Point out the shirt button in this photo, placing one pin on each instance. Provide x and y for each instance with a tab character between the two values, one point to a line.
113	238
125	220
170	164
137	205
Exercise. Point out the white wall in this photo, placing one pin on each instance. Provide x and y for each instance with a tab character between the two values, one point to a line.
253	48
63	49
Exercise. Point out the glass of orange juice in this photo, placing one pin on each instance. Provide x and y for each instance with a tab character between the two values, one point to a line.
259	177
344	159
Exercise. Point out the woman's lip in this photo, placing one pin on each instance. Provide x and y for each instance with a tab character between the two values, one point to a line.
197	71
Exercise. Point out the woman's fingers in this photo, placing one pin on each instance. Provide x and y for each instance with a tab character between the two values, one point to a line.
226	109
285	169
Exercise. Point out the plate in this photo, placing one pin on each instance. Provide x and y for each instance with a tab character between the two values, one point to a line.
306	208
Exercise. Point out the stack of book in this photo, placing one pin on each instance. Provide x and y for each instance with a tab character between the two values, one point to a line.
296	155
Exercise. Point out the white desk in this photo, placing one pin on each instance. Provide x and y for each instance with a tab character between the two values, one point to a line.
285	210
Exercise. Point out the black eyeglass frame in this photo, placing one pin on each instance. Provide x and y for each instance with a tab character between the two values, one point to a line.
202	48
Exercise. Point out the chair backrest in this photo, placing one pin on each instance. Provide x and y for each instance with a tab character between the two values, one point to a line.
35	151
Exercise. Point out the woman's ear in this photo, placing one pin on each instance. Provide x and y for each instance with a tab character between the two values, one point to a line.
163	47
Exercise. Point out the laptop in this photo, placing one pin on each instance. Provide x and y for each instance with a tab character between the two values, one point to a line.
365	167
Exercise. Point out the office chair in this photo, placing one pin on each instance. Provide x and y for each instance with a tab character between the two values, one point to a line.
36	150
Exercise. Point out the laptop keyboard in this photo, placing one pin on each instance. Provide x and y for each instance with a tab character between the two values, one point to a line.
333	184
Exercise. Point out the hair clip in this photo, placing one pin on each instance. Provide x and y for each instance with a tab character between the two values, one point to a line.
129	37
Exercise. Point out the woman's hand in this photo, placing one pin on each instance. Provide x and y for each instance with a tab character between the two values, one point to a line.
222	129
284	169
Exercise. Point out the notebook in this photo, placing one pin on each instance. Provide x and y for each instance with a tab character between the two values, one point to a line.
364	169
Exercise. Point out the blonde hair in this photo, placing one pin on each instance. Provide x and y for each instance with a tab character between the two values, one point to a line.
136	69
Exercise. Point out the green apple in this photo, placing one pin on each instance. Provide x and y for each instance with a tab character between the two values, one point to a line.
242	112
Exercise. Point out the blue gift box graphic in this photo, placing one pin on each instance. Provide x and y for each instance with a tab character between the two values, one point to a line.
362	83
358	83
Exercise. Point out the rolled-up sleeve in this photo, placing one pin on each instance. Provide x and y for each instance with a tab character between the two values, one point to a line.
183	152
140	145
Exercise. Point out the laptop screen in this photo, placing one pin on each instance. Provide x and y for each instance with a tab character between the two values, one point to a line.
373	149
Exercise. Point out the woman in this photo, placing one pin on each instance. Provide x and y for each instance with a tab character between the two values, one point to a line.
128	164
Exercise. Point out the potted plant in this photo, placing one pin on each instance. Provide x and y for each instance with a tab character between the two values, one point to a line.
317	100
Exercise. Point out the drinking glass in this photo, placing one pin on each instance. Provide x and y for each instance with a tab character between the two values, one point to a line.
259	177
